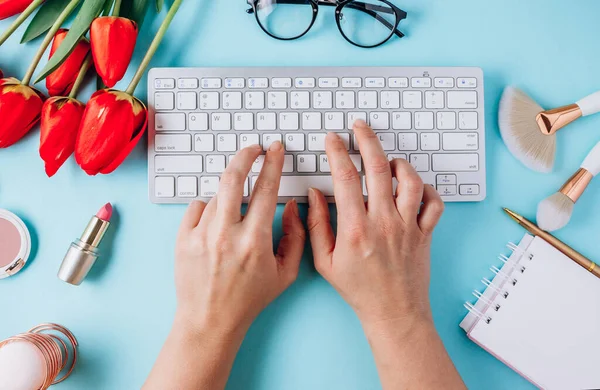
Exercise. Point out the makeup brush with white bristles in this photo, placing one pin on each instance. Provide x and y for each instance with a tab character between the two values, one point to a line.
555	212
529	131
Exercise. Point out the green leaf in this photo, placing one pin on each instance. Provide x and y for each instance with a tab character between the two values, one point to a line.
135	10
108	7
88	12
44	19
159	5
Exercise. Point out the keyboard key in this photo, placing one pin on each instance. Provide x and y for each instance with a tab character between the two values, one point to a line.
367	99
300	100
402	121
305	82
345	100
277	100
424	120
434	100
243	121
288	163
446	190
430	141
466	82
329	82
164	101
258	164
178	164
232	100
353	116
209	186
334	121
467	120
322	100
412	99
266	121
390	99
198	121
444	82
294	142
164	187
420	162
281	82
258	83
235	83
173	143
255	100
209	101
393	156
169	122
305	163
311	121
469	189
187	186
211	83
407	141
188	83
468	162
446	179
324	164
221	121
357	161
297	186
460	141
289	121
375	82
398	82
226	142
345	139
215	163
462	99
204	142
379	120
388	140
164	84
352	82
316	142
187	101
446	120
420	82
268	139
249	140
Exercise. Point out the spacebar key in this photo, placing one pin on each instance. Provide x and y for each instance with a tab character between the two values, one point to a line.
299	185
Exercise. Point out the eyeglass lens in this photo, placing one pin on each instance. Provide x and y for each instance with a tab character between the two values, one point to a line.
367	22
285	19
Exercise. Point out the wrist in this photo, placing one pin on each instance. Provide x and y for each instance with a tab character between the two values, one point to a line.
398	329
207	331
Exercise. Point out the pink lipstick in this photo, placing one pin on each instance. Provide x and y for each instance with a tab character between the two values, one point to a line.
83	253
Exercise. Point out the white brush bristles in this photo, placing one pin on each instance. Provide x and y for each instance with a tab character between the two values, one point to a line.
555	212
521	134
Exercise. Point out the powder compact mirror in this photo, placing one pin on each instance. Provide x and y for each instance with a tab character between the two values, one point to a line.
15	244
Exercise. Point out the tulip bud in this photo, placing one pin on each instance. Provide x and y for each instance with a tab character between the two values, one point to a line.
112	125
113	41
60	121
10	8
20	108
60	82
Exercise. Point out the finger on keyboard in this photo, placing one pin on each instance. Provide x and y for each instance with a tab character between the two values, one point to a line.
263	201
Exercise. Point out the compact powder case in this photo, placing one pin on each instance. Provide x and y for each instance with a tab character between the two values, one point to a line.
15	244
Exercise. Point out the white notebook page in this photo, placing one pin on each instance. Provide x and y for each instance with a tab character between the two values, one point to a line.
547	328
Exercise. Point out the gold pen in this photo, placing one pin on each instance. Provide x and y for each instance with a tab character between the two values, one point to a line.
555	242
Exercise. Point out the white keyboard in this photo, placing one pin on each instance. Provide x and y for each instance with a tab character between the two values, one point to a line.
200	117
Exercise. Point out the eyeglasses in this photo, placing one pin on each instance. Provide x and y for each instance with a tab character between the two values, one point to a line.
366	23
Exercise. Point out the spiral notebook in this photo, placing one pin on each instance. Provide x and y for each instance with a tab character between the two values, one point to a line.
540	315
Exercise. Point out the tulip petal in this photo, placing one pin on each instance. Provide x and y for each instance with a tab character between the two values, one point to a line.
10	8
20	108
60	82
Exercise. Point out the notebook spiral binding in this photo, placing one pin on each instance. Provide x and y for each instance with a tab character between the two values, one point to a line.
507	276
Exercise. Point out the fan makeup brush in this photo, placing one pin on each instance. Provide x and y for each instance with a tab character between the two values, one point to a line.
529	132
555	212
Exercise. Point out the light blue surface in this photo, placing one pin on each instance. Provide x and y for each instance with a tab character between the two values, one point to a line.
308	339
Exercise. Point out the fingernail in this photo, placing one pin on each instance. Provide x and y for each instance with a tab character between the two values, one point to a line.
275	147
360	124
333	135
312	197
255	146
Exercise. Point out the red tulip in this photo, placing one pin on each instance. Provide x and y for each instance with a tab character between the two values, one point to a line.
61	117
9	8
113	40
112	125
20	108
60	82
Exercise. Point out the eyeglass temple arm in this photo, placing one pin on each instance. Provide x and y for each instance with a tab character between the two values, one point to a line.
358	5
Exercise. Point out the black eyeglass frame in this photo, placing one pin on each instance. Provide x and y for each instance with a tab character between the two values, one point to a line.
358	5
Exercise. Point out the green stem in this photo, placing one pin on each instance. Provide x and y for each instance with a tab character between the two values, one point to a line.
19	21
81	76
49	37
153	47
117	8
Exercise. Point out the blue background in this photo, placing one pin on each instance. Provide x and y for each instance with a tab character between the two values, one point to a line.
309	338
